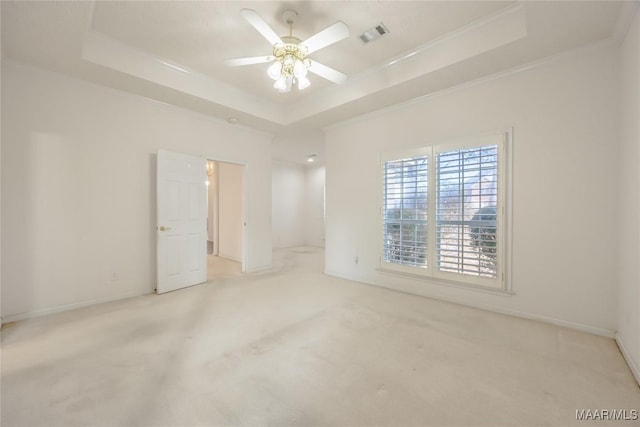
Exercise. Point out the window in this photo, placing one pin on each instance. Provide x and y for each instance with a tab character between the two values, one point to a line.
443	211
405	211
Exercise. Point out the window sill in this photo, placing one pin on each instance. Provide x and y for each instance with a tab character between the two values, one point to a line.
447	283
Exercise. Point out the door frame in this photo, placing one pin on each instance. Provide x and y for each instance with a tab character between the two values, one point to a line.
245	223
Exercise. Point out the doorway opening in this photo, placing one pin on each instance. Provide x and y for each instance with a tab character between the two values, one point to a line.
225	220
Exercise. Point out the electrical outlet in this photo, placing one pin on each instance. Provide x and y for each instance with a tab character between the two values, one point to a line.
355	260
113	276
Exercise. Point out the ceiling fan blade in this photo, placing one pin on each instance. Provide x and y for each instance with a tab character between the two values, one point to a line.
327	72
263	28
248	61
324	38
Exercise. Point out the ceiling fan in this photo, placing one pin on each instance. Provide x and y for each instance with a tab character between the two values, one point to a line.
290	55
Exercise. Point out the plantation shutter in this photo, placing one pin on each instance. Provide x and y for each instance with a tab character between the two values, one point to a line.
445	211
466	211
405	211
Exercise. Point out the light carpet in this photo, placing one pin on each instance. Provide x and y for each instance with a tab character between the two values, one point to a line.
294	347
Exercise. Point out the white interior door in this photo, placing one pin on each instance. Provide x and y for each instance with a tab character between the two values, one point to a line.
182	221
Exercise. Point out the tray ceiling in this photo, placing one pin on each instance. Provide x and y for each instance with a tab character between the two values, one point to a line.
173	51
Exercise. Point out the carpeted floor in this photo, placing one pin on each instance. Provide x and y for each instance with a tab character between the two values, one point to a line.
221	268
296	348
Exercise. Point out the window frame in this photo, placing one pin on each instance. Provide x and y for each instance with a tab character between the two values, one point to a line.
400	154
502	282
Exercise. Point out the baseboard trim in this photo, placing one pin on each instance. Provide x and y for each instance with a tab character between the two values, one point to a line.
509	312
260	269
66	307
229	257
627	357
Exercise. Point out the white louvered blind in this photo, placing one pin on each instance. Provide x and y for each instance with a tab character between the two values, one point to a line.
466	207
405	211
445	211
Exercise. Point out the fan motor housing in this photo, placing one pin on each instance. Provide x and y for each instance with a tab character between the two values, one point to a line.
290	40
280	51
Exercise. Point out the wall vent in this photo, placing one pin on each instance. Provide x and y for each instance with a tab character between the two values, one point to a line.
374	33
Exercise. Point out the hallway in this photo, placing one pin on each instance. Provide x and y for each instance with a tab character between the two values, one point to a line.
221	268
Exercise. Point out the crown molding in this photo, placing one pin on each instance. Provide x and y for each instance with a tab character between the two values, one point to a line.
104	51
491	32
131	96
601	44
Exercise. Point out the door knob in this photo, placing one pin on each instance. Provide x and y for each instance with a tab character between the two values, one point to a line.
163	228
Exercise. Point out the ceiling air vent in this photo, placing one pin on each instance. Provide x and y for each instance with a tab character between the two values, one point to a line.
374	33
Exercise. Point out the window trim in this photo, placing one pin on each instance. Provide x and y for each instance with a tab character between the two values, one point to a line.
398	155
502	283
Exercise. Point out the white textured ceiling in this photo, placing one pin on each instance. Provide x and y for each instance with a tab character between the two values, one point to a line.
203	34
136	47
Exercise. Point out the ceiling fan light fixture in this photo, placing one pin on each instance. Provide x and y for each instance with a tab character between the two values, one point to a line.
303	83
290	62
274	71
299	69
289	83
290	54
281	84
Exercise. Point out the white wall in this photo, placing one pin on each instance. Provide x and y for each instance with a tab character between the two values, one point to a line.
78	188
298	189
298	205
629	202
564	117
230	210
314	206
288	204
